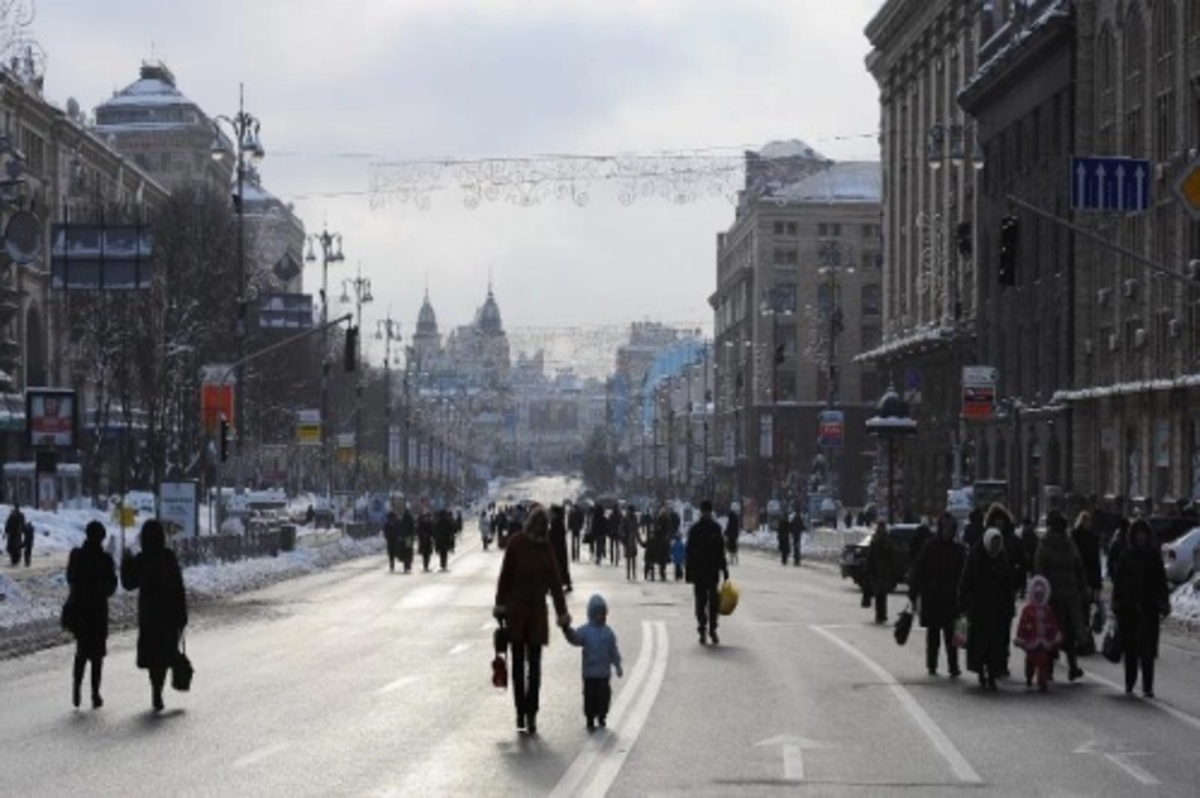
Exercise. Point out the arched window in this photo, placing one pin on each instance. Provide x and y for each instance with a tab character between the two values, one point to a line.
1106	91
1165	121
1134	95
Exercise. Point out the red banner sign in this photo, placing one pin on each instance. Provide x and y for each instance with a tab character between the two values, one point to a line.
215	401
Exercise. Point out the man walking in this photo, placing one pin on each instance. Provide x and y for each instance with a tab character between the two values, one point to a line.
705	563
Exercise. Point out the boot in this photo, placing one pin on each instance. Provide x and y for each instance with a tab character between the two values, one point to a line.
77	682
97	671
531	723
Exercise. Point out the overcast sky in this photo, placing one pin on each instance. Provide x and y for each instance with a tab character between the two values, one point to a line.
338	85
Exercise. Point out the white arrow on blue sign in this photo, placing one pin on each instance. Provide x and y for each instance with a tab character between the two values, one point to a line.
1117	185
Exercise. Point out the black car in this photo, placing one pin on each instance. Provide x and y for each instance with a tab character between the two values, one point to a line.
854	555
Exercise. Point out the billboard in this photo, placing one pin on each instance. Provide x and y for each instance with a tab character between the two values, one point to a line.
285	311
50	413
98	257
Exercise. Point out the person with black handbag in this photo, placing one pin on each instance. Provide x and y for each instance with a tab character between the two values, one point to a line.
934	590
162	605
1140	601
92	579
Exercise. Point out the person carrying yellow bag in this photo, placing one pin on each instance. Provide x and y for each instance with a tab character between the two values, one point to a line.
704	563
727	598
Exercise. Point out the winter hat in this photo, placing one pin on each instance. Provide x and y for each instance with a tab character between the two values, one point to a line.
993	542
1039	591
596	606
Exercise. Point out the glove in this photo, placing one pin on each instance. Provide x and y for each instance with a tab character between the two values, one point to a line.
727	575
499	612
564	619
620	673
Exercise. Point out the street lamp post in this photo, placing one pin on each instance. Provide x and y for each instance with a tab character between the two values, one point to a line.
831	256
361	286
331	252
776	303
245	128
389	331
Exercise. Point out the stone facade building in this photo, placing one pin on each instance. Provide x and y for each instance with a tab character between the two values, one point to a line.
923	53
798	281
1095	351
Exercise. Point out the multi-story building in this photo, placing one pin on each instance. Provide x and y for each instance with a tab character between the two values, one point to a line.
798	295
924	51
1095	349
60	165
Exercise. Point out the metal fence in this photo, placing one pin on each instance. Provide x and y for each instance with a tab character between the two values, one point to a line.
262	542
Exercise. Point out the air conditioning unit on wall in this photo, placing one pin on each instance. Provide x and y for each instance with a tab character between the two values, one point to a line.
1139	337
1114	342
1174	328
1129	289
1087	347
1102	297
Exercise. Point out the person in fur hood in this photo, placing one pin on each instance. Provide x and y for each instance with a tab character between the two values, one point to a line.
1058	560
529	572
1037	633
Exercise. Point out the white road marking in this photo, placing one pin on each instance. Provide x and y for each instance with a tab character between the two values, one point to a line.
403	681
460	648
1178	714
254	757
793	753
1119	758
958	763
651	665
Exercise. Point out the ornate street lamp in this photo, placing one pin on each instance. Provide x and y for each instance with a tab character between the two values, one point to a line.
247	145
331	252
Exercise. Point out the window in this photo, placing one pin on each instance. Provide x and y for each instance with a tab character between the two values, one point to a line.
791	228
869	390
869	231
778	228
785	257
825	230
872	261
871	299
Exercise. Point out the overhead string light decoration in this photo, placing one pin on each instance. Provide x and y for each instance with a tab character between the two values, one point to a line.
677	177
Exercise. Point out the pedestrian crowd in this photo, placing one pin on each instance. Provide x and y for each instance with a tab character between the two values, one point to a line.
965	590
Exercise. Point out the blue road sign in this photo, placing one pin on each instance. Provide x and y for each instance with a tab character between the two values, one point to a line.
1116	185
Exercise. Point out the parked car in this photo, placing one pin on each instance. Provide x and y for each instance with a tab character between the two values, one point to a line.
1179	556
854	555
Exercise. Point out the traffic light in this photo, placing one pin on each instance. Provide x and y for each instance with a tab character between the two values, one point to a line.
351	358
224	439
1009	235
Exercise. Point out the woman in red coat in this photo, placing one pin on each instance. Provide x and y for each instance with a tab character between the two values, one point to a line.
529	572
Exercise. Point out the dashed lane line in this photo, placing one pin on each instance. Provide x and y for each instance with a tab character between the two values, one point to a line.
958	763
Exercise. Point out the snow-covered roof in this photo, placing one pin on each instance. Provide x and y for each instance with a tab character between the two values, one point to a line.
147	91
851	181
792	148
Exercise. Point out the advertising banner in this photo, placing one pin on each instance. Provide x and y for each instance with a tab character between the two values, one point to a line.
831	428
308	427
178	508
51	416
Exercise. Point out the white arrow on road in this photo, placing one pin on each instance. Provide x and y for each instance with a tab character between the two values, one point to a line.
1121	759
793	753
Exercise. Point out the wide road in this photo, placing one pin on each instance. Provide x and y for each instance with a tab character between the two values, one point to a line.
356	681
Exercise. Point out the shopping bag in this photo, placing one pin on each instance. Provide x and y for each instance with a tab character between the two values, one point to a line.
181	669
961	630
727	598
1111	646
903	625
500	672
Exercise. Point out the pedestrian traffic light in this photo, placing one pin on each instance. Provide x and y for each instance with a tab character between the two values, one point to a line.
351	359
224	439
1009	234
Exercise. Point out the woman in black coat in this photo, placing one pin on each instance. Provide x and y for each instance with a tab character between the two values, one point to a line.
92	578
880	571
934	588
985	596
162	605
1140	601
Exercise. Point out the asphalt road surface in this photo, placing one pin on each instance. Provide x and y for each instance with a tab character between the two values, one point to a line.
356	681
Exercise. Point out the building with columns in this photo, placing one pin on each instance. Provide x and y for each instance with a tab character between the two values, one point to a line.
923	53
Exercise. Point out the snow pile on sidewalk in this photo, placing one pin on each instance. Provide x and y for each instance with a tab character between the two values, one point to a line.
821	543
1185	603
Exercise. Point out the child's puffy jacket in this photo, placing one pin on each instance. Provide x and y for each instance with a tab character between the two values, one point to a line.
599	642
1038	628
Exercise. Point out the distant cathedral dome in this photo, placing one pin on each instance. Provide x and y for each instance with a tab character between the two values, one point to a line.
487	320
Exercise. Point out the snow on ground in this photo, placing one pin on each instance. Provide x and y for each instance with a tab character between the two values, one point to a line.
1185	602
37	595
